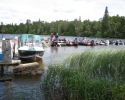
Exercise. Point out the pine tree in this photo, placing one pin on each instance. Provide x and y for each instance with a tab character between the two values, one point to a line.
105	23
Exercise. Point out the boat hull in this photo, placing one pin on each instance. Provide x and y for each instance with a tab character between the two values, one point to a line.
29	59
85	43
30	56
60	43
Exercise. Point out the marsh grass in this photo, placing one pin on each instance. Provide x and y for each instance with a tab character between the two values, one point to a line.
91	75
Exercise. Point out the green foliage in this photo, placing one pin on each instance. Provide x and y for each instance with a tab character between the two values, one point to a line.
119	92
91	75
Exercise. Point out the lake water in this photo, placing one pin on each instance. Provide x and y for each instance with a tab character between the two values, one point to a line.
27	87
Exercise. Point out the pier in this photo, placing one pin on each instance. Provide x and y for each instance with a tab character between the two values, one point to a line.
9	57
7	64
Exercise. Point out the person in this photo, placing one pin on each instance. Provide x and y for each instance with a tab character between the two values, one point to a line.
56	38
52	36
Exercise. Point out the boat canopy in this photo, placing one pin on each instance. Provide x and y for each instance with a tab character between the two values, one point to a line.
31	38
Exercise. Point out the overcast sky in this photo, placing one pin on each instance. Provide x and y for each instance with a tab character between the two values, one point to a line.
18	11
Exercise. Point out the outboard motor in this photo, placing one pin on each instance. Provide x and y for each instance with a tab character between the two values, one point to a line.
92	43
76	40
107	42
117	42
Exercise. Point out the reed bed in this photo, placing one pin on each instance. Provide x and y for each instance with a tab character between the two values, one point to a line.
91	75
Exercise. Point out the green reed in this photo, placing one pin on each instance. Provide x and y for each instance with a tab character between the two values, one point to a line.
91	75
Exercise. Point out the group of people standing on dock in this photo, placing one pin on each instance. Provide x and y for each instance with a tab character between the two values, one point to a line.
54	37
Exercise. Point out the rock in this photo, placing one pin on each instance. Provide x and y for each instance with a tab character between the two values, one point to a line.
28	68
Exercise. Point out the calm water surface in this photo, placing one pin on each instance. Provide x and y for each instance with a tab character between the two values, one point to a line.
28	87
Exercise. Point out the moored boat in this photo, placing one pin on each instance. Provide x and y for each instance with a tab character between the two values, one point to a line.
85	43
60	42
30	47
75	42
119	42
69	43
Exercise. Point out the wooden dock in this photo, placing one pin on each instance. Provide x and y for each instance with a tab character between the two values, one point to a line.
8	58
7	55
11	62
7	64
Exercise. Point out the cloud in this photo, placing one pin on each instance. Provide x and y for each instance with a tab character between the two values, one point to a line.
15	11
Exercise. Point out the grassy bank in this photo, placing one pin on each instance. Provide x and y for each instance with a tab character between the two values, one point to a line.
91	75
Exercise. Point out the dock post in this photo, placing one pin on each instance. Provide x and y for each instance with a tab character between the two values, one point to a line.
1	69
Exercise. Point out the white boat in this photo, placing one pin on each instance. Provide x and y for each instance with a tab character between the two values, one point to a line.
30	47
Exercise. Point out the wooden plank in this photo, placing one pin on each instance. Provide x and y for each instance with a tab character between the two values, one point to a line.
11	62
4	80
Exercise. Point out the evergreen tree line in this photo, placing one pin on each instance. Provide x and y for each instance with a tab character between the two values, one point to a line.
112	27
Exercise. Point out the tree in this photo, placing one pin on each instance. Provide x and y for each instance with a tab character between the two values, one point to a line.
105	23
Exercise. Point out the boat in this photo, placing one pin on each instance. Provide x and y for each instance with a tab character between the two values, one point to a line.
30	48
60	42
88	43
119	42
72	43
85	43
69	43
64	42
75	42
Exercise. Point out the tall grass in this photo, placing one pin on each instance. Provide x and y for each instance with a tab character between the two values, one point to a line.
91	75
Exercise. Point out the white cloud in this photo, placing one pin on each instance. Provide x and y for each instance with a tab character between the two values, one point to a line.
15	11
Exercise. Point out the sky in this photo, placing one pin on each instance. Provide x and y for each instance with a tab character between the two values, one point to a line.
18	11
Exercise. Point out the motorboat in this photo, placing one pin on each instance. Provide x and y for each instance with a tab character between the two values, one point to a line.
64	42
30	48
60	42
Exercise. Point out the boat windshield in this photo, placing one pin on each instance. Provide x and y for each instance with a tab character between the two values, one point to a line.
30	38
37	43
23	43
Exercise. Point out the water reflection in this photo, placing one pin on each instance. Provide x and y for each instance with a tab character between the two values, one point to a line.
8	91
21	87
54	49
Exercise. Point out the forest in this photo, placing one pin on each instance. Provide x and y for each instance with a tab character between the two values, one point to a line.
105	27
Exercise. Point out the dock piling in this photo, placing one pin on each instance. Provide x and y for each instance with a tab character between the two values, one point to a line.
1	69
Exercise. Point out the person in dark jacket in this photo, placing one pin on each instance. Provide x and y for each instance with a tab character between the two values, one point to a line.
56	38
